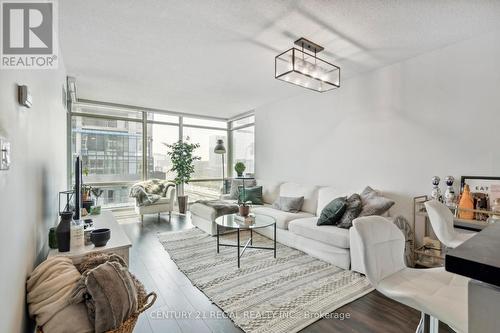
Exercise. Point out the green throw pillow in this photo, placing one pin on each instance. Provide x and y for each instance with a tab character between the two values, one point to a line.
253	194
332	213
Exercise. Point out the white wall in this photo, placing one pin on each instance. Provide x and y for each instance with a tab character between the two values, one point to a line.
394	128
28	191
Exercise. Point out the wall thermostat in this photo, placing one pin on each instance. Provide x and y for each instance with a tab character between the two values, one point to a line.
4	154
24	96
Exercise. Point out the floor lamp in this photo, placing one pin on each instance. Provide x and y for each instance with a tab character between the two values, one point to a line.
220	149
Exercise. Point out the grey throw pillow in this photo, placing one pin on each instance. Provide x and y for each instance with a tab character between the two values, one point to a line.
352	211
331	214
289	204
234	193
374	203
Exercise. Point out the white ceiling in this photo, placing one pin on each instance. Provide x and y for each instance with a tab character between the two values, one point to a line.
217	57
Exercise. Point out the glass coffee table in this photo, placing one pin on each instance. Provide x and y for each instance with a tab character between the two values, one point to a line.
231	222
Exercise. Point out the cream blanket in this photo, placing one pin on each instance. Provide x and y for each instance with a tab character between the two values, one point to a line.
49	288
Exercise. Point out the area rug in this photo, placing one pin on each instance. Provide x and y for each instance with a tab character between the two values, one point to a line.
266	294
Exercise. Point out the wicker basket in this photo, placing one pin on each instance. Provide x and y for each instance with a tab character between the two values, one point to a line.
145	301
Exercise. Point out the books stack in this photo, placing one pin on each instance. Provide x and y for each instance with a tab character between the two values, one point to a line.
250	219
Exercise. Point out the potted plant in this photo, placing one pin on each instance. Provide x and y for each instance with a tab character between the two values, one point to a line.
87	202
239	168
181	155
97	192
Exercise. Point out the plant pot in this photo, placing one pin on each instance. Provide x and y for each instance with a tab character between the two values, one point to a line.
87	204
182	200
244	210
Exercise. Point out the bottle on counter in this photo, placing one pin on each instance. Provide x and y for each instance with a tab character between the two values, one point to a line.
77	234
467	202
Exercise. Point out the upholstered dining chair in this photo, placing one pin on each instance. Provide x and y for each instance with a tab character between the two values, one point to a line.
438	294
441	219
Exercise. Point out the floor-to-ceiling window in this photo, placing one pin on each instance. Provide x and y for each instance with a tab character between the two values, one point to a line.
162	130
242	131
111	140
207	177
110	145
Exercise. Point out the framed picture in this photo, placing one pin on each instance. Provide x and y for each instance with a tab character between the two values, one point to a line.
489	186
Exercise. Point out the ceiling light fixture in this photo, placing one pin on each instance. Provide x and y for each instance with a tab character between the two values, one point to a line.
305	69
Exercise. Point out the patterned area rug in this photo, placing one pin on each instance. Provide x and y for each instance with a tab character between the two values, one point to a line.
284	294
126	216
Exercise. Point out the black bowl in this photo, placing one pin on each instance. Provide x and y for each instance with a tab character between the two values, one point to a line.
100	237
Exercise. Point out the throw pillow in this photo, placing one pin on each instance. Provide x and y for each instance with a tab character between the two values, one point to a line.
253	194
331	214
235	183
289	204
374	203
353	209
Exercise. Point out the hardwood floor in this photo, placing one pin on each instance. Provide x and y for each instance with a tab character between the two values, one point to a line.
181	307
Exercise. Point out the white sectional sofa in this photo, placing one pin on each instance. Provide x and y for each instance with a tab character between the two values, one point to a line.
297	230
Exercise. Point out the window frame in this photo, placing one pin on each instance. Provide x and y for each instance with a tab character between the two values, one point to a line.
144	124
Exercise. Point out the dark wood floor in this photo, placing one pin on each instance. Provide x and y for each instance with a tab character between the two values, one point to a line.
180	307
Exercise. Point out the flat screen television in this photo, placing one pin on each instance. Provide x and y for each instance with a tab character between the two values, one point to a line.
78	188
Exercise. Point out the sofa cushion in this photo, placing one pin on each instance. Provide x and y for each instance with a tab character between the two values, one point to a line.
309	192
325	196
252	194
289	204
235	183
270	190
282	218
327	234
333	212
353	209
374	203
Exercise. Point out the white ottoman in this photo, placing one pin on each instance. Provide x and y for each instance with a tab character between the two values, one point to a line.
203	217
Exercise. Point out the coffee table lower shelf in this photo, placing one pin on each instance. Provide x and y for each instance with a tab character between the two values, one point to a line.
248	243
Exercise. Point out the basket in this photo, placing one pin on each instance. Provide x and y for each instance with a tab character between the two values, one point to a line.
145	301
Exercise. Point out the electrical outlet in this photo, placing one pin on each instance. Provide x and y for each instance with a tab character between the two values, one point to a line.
4	154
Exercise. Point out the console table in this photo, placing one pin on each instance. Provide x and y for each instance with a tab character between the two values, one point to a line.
118	243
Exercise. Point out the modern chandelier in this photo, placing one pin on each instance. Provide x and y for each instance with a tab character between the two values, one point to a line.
302	67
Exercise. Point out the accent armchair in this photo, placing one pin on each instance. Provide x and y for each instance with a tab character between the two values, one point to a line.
162	205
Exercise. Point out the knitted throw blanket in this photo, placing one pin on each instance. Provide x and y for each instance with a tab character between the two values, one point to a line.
149	191
50	287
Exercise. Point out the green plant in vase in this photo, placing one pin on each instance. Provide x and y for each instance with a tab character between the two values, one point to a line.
239	167
182	157
97	192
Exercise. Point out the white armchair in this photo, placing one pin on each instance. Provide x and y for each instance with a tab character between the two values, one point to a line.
163	205
435	292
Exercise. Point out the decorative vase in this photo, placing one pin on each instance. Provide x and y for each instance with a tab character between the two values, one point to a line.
244	210
63	232
182	200
467	202
436	192
449	194
240	174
